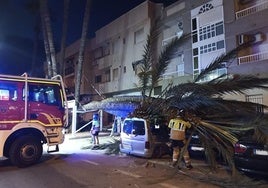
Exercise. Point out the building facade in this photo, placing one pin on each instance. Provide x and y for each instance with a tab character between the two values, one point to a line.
215	27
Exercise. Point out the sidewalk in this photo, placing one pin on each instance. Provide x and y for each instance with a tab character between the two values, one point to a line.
104	136
82	142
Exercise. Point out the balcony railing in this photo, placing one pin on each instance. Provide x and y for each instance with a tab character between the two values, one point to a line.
253	58
256	8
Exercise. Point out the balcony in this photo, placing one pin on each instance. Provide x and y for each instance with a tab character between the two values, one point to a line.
253	58
251	10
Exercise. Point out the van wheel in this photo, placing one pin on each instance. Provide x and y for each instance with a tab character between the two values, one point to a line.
25	151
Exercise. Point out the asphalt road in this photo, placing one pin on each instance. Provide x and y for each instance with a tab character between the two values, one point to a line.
78	165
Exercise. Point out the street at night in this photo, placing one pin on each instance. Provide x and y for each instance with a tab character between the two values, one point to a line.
79	166
133	94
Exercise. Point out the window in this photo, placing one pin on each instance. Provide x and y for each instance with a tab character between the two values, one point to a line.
139	36
70	62
107	77
8	92
69	66
194	24
98	79
194	30
115	73
134	127
195	51
196	63
219	28
69	70
127	128
44	94
98	53
4	95
210	31
220	44
137	66
195	38
258	99
211	47
138	128
205	8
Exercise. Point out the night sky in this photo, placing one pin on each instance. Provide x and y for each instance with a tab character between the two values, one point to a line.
17	28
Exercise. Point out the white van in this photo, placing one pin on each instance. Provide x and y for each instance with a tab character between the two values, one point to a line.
140	138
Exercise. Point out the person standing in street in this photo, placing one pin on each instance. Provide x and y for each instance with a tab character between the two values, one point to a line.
178	139
95	129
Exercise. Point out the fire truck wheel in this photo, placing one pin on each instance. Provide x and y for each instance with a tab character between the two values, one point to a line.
25	151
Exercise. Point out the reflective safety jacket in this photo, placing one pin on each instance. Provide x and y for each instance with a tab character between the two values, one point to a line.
178	127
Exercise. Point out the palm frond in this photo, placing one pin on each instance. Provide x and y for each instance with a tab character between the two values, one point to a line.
236	84
144	75
119	106
205	99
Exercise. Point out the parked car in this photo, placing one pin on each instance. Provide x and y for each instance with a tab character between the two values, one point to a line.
141	138
251	157
195	147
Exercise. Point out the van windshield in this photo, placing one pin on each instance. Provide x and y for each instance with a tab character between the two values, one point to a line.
134	127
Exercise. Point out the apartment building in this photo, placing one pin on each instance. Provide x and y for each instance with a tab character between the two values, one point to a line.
119	49
247	22
70	69
216	27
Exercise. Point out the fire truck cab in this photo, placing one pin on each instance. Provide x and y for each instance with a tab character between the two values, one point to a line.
33	112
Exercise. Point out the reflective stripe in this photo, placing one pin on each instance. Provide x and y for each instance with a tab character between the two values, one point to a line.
179	124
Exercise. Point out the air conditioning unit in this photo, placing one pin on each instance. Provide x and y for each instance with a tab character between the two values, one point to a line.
252	38
259	37
244	39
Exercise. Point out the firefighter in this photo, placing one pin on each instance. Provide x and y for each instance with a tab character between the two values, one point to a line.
177	137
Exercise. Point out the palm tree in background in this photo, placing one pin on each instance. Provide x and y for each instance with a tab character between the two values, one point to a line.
64	35
48	39
82	51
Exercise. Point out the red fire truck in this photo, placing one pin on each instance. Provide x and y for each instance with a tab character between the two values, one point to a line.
33	112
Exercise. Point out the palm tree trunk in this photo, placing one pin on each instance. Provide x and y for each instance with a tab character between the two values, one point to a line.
82	50
47	25
64	35
46	45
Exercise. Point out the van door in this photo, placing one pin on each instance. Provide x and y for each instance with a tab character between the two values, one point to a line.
134	136
138	136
